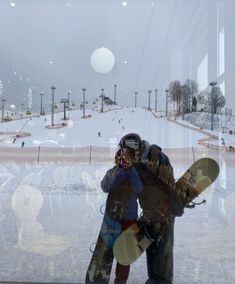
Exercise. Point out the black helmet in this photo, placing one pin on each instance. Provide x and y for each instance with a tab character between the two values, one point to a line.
131	140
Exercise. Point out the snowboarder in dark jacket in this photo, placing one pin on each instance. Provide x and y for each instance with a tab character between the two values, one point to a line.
153	200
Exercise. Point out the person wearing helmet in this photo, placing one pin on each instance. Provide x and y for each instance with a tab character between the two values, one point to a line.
160	253
123	185
132	141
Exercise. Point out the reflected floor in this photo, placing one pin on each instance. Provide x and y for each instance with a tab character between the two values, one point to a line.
50	216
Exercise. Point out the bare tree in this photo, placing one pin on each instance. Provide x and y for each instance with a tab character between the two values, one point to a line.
175	91
194	104
202	100
191	91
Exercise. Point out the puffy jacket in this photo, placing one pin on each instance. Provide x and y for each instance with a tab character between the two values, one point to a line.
123	187
157	196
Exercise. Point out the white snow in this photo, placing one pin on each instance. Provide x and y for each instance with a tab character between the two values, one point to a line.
50	214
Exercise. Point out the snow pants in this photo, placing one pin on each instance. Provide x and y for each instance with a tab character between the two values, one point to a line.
122	271
160	256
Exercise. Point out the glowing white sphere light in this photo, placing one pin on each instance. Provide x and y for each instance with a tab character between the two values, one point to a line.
102	60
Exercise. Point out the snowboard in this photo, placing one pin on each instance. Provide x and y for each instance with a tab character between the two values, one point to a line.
100	266
131	244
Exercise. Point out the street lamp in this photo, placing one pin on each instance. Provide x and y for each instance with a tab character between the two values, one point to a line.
136	93
52	104
149	92
102	100
167	91
84	101
41	109
3	104
69	93
115	93
212	84
183	100
155	100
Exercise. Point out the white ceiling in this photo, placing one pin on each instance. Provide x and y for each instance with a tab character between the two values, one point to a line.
144	33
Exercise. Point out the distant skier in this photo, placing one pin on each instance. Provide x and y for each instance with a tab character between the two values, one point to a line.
99	135
22	144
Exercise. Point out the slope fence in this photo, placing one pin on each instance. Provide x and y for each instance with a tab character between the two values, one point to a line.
102	155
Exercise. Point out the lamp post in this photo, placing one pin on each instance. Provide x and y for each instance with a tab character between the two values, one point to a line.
52	104
84	101
167	91
41	108
115	94
183	100
155	100
102	100
149	92
3	105
212	84
136	93
69	93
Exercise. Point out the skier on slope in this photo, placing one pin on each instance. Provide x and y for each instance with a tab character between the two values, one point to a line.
160	253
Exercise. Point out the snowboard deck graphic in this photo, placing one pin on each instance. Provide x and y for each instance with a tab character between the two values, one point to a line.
130	245
100	266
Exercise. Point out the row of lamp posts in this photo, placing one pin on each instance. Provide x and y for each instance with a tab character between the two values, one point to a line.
212	84
66	102
149	98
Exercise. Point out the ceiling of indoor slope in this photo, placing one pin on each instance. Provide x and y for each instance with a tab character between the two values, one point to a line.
50	42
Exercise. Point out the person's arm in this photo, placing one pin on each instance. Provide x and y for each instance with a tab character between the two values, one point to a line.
136	182
112	179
